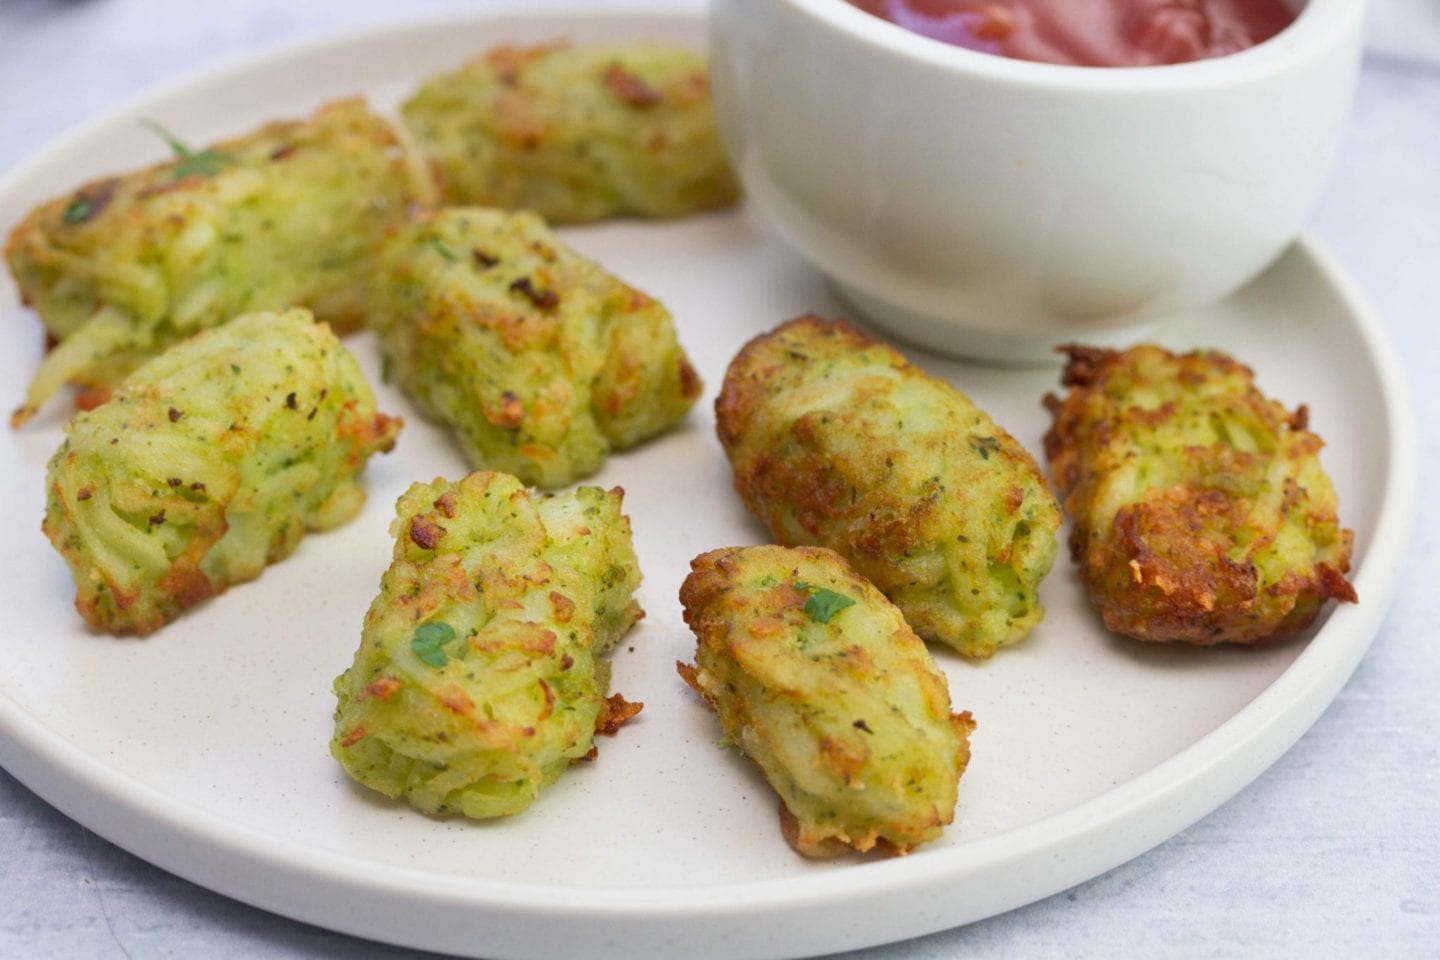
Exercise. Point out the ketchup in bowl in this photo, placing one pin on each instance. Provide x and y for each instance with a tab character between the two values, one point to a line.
1092	33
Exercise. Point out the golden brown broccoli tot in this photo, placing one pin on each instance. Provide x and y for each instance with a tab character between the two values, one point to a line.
1199	509
479	679
540	361
576	133
209	462
819	680
286	216
836	440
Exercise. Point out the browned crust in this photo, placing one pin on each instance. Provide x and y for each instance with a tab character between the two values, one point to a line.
1164	570
183	586
631	88
804	479
882	499
363	435
744	386
615	710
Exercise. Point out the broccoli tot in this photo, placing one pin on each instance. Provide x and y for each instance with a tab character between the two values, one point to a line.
819	680
540	361
285	216
207	463
479	679
837	441
576	133
1199	510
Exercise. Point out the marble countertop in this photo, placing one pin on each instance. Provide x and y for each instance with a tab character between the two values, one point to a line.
1333	852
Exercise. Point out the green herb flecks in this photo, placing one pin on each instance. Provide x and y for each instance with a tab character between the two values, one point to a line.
89	201
190	163
822	604
444	249
985	446
429	643
78	210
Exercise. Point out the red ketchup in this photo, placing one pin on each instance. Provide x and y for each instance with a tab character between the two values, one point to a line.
1092	33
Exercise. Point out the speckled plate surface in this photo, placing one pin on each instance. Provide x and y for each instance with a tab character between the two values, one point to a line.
203	747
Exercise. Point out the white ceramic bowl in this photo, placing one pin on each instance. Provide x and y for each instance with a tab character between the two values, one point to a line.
993	208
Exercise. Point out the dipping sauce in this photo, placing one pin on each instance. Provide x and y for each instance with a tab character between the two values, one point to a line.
1092	33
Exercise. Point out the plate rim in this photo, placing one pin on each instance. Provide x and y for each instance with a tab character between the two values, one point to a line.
1188	784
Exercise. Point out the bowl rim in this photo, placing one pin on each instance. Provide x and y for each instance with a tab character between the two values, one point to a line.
1319	26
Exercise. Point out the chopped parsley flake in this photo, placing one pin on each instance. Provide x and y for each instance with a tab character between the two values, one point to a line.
822	604
429	643
78	210
985	446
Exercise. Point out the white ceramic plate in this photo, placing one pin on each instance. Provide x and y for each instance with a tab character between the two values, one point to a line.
203	748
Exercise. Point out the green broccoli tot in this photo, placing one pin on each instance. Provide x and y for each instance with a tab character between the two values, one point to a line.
479	677
576	133
539	360
288	215
209	462
819	680
837	441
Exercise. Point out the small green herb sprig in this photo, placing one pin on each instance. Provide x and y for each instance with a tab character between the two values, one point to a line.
188	162
79	210
444	249
822	604
429	643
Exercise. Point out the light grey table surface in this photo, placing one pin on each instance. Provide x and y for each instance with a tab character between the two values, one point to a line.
1334	852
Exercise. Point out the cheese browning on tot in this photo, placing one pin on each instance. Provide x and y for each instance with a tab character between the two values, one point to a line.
818	679
479	679
286	216
576	133
207	463
1199	509
540	361
836	440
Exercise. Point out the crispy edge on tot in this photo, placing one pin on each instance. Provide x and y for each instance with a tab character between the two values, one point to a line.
1162	569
